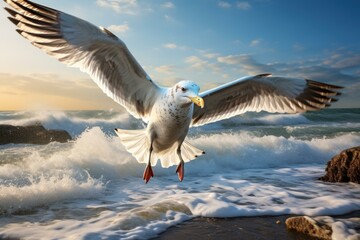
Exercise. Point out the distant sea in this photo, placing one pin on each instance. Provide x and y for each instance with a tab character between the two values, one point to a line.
256	164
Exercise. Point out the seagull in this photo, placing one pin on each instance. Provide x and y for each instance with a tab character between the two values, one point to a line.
168	112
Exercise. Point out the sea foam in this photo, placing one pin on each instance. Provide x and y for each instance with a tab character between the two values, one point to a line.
95	158
92	187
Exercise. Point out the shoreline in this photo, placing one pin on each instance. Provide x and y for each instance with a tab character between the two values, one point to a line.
257	227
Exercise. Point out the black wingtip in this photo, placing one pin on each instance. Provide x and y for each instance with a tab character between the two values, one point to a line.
322	85
263	75
203	152
19	31
10	11
115	129
337	87
110	34
14	20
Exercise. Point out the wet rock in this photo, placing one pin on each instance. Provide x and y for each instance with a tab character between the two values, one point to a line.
35	134
309	226
344	167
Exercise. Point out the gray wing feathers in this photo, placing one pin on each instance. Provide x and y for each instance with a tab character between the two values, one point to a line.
93	49
263	93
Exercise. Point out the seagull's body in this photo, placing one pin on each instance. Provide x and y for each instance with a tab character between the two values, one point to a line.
169	121
168	112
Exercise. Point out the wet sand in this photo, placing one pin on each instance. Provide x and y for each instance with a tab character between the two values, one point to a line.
248	228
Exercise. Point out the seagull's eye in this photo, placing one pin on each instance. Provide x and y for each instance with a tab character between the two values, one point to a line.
183	89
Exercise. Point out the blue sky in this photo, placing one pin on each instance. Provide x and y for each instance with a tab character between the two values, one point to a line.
208	41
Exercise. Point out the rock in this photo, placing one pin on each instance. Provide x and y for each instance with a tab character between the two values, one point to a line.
35	134
344	167
309	226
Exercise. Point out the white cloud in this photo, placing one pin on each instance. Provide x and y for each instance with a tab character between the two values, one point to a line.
211	55
175	46
232	59
200	64
129	7
255	42
243	5
239	5
341	60
196	62
193	59
169	81
224	4
247	63
168	5
165	69
119	28
170	45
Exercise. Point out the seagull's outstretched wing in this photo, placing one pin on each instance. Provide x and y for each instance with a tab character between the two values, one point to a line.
93	49
263	93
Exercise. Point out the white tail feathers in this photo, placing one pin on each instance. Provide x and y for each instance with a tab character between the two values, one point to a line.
189	152
137	143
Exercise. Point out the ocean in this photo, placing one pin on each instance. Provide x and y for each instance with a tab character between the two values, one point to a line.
256	164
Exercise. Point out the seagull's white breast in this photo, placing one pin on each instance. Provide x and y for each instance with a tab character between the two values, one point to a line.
169	121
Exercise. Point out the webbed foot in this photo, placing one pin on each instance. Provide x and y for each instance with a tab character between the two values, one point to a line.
148	173
180	171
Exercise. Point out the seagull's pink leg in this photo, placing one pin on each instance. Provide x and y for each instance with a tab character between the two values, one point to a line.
148	173
180	170
180	167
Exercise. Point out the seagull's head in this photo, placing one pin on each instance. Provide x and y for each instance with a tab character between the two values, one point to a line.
187	92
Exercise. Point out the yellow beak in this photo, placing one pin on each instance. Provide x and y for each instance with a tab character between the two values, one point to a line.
198	101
